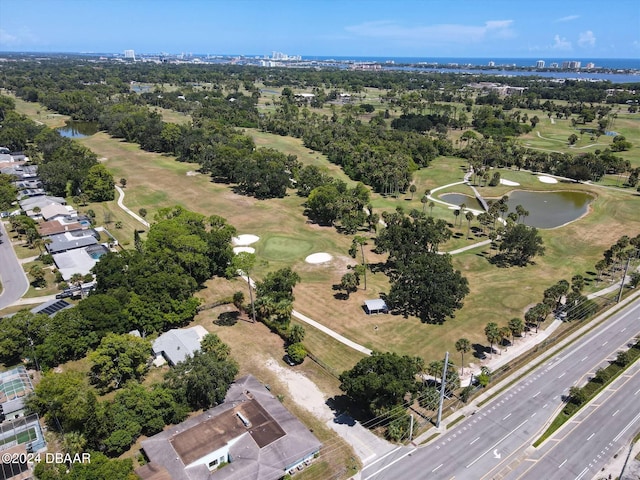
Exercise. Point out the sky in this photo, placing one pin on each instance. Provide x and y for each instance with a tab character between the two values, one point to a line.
391	28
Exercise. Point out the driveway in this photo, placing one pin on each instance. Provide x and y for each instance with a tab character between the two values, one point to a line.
14	280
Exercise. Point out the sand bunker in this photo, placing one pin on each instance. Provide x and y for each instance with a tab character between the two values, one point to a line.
237	250
508	183
545	179
245	239
321	257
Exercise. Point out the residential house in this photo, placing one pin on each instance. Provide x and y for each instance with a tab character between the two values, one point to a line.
174	346
250	435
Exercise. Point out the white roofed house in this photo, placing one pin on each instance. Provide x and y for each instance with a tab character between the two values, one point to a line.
175	345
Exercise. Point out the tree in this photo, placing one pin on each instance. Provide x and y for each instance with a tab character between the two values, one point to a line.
119	358
98	185
242	264
359	241
379	382
573	138
123	182
469	216
349	282
492	332
516	326
463	346
297	352
430	398
537	314
142	212
519	245
38	275
428	287
505	333
212	344
65	400
19	333
202	381
296	334
413	189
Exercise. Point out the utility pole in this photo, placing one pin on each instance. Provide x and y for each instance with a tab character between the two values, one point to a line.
626	269
442	388
411	428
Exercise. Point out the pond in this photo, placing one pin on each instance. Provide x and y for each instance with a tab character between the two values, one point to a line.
74	129
550	209
459	199
546	209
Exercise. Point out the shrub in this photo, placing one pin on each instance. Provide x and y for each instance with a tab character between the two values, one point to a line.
297	352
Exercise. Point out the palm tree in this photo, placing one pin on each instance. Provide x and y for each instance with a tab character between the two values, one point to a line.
424	201
463	346
492	331
516	326
469	216
242	264
504	332
431	205
76	279
456	213
412	189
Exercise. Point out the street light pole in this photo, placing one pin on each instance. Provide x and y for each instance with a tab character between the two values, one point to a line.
442	388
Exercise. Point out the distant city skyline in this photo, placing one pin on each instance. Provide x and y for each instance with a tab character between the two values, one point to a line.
404	28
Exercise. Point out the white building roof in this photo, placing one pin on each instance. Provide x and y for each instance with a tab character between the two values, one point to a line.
176	344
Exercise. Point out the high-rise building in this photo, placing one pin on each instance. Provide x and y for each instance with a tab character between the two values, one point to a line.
492	64
540	64
131	54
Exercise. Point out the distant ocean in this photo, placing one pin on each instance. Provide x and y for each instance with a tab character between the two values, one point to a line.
612	63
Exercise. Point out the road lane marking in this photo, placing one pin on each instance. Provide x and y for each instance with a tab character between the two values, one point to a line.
533	414
584	358
615	413
560	466
545	405
637	391
582	474
434	470
506	417
474	441
536	395
623	329
392	463
624	430
563	374
385	456
497	443
605	343
591	436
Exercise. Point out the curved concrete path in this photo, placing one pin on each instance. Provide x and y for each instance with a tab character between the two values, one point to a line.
331	333
126	209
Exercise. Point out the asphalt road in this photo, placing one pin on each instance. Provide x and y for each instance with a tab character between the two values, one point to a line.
582	447
494	440
14	281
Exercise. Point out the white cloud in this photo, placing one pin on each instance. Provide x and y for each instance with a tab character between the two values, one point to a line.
561	43
442	33
568	18
14	39
6	38
587	39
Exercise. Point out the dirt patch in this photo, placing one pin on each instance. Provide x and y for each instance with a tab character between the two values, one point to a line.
303	391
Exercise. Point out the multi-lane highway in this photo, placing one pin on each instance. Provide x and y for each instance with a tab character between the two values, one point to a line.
14	281
496	439
583	446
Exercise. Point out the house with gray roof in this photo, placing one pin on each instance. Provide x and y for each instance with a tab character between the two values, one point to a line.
63	242
250	435
174	345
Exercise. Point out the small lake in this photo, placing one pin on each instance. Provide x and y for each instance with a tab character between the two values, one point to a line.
550	209
546	209
459	199
74	129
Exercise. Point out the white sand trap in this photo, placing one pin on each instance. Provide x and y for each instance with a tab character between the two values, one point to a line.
508	183
237	250
321	257
245	239
545	179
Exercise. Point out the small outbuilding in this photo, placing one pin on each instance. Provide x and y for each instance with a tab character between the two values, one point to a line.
375	306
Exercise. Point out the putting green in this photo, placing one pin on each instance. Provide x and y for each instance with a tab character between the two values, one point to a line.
281	248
